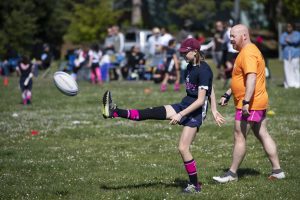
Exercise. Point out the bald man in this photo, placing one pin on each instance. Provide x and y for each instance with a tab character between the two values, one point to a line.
248	88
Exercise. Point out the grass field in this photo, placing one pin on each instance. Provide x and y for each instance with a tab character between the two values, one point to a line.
79	155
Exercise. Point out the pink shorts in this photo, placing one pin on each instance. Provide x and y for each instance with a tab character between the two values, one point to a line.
255	115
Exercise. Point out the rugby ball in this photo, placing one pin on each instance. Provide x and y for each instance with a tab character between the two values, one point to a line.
65	83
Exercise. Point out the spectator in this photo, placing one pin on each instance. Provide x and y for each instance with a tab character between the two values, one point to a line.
109	40
108	57
44	62
105	65
119	40
80	61
154	47
165	37
10	62
201	38
135	64
171	67
119	57
229	55
94	61
290	42
70	57
185	32
46	57
217	50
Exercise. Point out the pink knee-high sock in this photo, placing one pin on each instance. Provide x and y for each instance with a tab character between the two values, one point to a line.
28	95
92	76
129	114
191	169
98	73
133	114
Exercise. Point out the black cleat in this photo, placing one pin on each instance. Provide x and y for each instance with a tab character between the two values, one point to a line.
108	107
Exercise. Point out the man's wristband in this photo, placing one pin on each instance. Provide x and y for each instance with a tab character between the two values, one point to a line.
245	102
226	96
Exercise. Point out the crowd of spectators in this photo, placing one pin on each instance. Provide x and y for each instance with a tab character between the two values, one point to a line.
108	61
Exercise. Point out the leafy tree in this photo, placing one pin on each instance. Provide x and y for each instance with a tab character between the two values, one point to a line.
52	19
204	12
192	9
18	26
281	11
293	8
90	21
23	24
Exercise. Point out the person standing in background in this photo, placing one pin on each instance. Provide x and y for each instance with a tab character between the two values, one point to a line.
290	42
229	54
154	48
217	51
119	42
94	56
119	57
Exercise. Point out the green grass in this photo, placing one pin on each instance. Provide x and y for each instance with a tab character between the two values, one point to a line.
79	155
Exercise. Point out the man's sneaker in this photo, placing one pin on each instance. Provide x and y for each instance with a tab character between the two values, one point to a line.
191	188
227	177
108	107
276	176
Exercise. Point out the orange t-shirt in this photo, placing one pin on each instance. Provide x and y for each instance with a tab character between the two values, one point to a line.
249	60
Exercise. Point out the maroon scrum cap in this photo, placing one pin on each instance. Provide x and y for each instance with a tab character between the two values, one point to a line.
189	44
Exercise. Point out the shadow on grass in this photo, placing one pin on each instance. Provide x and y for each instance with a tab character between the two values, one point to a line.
177	183
280	85
245	172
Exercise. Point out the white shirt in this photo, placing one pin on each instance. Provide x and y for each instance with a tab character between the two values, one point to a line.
164	39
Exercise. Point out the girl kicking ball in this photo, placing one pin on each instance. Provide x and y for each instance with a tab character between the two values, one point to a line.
190	112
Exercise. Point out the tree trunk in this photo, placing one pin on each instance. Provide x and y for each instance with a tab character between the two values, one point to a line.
136	16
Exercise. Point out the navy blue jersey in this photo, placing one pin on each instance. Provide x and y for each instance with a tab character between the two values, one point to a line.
198	77
25	70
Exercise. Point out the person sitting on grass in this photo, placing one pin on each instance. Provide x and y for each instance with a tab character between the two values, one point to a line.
171	66
190	112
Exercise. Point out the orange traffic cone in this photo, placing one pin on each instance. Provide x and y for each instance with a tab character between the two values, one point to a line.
5	81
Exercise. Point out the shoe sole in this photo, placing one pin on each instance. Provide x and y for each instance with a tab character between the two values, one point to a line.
105	106
217	180
273	178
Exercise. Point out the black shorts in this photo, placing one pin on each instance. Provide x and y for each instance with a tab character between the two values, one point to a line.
27	87
193	119
231	57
